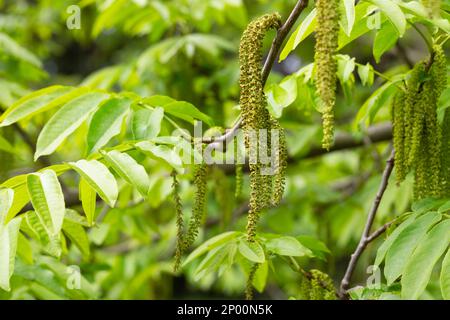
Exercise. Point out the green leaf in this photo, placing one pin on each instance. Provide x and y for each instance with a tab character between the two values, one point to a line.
162	152
187	111
6	146
252	251
24	250
385	39
6	201
426	204
75	217
129	170
211	262
287	246
35	102
421	263
99	178
21	198
180	109
394	14
348	19
317	247
65	121
404	245
12	48
106	122
34	228
346	66
445	277
76	233
301	33
361	26
370	108
146	123
260	277
88	198
159	101
47	199
381	252
280	96
8	246
366	74
210	244
444	208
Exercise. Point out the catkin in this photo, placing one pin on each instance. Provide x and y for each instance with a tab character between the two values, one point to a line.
249	285
198	208
255	115
326	66
239	180
317	285
418	137
399	121
279	178
179	249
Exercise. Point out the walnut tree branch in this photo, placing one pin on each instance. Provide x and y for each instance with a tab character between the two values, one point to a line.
282	33
366	237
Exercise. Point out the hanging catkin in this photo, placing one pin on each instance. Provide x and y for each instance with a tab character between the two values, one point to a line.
280	164
317	285
327	31
198	208
256	117
179	221
249	285
418	137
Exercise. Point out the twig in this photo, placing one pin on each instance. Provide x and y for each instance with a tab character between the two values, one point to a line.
282	33
366	237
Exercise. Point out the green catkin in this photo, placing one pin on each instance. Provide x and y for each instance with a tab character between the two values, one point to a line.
304	289
322	286
255	115
317	286
326	66
249	292
279	178
239	180
413	118
179	249
198	208
418	137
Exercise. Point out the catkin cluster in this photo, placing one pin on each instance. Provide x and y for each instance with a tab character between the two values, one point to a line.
326	66
418	136
266	189
249	285
186	239
179	221
198	208
317	286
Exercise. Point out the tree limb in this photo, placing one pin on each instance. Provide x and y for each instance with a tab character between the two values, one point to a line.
282	33
366	237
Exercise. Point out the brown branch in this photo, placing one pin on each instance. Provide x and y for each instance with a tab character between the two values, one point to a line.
282	33
377	133
366	237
